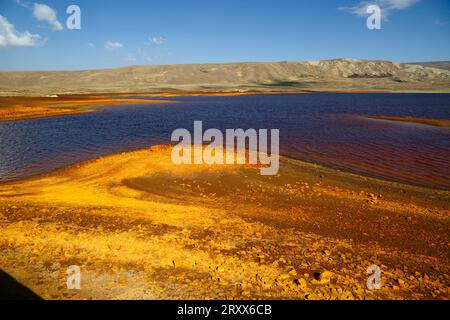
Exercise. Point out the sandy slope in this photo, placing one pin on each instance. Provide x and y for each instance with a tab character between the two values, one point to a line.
140	227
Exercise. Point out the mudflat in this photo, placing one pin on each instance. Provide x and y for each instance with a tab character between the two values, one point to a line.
141	227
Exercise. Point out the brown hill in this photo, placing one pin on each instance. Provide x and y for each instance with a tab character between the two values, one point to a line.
339	74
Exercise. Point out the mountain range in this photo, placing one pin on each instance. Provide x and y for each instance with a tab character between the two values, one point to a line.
327	75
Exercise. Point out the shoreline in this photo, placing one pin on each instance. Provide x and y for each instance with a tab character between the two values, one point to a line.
17	108
25	108
110	216
329	166
444	123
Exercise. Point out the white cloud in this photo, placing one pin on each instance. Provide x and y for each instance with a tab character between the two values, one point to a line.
109	45
24	4
386	6
401	4
9	36
91	45
158	40
43	12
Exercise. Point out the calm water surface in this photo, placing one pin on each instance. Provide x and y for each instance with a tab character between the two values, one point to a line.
331	129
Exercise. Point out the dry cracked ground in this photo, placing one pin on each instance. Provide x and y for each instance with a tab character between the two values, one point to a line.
140	227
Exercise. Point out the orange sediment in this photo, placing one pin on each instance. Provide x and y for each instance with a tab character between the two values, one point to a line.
141	227
19	108
431	122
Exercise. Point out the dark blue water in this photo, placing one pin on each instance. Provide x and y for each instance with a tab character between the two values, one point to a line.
330	129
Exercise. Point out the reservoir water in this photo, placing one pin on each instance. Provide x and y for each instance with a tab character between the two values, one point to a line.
327	128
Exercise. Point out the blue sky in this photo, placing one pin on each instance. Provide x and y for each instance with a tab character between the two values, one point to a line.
135	32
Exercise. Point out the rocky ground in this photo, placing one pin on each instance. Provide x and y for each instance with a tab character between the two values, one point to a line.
141	228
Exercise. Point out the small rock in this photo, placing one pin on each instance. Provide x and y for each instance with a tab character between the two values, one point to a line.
324	277
301	282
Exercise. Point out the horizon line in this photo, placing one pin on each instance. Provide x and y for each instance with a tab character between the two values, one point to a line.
215	63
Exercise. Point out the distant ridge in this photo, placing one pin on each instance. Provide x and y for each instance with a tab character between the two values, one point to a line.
337	74
434	64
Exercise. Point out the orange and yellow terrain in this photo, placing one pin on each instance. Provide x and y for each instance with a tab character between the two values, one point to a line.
142	228
19	108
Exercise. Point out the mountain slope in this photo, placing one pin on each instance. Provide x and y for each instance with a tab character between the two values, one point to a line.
339	74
